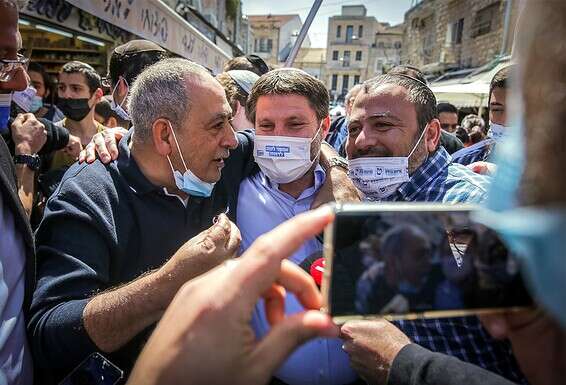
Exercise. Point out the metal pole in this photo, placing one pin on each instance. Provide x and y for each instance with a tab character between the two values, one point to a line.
303	33
507	22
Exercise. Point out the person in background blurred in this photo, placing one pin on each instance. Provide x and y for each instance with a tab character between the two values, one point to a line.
448	116
238	84
104	114
339	128
42	105
251	63
472	130
482	151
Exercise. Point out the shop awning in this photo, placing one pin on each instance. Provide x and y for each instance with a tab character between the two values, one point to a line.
154	20
471	90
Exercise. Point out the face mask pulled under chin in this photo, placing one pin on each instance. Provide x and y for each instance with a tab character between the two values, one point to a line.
380	177
188	182
284	159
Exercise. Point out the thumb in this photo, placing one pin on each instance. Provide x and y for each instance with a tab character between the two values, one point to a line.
288	335
20	119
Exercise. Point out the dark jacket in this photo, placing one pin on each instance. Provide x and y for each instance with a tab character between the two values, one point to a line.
415	365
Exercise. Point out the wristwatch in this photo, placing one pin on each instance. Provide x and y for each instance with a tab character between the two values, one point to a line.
32	161
338	161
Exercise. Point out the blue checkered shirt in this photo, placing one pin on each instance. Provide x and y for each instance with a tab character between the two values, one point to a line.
479	152
441	180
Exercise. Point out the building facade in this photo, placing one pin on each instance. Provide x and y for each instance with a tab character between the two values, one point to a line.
386	50
274	36
447	35
349	43
312	61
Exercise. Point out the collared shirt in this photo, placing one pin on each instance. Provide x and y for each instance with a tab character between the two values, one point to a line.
261	207
15	359
440	180
479	152
104	226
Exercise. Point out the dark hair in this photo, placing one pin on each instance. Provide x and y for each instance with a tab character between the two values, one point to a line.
234	93
408	70
251	63
47	80
104	109
500	80
419	95
92	78
129	66
290	81
446	107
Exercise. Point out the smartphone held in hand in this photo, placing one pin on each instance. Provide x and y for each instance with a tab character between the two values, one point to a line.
407	261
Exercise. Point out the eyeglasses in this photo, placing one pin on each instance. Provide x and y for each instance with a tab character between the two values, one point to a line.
9	66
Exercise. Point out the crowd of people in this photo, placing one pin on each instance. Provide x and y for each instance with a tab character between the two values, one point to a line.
161	216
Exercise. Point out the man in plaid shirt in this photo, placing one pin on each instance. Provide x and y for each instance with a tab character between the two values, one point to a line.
395	116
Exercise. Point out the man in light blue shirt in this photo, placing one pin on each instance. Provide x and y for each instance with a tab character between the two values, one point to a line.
290	111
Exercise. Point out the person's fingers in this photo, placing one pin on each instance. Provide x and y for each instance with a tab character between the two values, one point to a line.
218	235
495	324
287	335
296	280
110	142
20	119
274	303
262	261
82	156
90	152
233	240
100	147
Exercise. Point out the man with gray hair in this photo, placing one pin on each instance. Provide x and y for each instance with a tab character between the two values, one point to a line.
118	240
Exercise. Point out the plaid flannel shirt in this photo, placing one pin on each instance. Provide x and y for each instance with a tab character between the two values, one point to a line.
441	180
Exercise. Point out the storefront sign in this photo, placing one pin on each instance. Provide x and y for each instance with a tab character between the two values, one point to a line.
155	21
62	13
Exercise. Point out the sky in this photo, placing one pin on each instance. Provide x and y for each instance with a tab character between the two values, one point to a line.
391	11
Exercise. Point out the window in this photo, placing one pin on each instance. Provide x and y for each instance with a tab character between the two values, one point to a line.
349	33
358	55
255	45
356	79
346	62
397	45
484	21
345	83
360	31
454	32
334	82
269	45
381	45
334	55
339	31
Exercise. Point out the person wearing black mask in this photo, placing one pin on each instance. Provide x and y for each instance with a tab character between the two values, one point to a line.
79	90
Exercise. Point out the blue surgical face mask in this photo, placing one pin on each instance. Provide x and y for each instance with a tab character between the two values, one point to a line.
535	235
188	182
117	108
36	104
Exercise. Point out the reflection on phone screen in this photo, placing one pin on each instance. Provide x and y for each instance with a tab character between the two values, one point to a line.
399	263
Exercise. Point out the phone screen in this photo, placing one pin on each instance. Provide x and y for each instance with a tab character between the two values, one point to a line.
94	370
407	264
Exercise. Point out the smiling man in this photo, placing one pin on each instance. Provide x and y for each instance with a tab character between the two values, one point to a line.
394	156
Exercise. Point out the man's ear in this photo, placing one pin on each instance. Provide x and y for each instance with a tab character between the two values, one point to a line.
98	94
111	122
432	136
122	88
325	126
162	137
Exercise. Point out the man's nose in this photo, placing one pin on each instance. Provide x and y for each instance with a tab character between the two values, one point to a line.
364	141
230	140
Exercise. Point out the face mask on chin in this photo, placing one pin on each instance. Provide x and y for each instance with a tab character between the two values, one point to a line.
379	177
74	109
284	159
497	131
188	182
